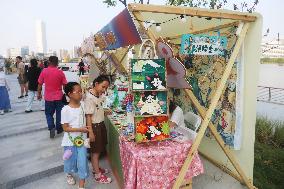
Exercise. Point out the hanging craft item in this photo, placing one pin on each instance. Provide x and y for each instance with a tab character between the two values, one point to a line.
175	69
88	46
150	103
147	50
84	82
154	128
202	44
148	74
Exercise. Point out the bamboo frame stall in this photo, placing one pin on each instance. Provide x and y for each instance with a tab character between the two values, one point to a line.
245	22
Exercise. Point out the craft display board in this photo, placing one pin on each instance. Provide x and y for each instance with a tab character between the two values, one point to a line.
154	128
150	103
149	88
148	74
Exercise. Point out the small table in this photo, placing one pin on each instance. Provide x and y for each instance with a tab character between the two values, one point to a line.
152	165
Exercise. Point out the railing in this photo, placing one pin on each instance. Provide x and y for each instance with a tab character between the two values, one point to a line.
270	94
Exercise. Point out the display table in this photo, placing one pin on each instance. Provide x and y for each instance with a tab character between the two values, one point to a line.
148	165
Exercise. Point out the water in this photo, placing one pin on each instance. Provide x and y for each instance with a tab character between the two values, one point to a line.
271	75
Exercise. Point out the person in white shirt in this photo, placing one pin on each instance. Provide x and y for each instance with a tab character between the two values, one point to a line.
176	116
75	136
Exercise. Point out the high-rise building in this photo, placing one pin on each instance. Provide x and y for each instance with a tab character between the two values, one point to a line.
75	52
40	37
25	51
14	52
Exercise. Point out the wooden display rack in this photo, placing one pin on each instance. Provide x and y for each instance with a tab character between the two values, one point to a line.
242	20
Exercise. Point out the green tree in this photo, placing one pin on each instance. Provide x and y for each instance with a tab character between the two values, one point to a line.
112	3
215	4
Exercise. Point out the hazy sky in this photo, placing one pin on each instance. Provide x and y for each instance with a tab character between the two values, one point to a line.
67	21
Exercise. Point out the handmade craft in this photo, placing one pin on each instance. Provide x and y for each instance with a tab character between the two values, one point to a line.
154	128
150	103
148	74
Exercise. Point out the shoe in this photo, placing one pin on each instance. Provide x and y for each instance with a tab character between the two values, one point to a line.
28	111
26	95
42	109
102	171
71	180
59	131
21	96
52	133
1	112
101	178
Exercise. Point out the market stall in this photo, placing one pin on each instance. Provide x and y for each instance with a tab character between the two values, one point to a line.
209	56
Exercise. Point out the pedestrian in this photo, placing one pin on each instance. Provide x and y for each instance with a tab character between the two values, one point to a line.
40	64
54	80
5	104
22	76
75	136
81	66
95	117
32	77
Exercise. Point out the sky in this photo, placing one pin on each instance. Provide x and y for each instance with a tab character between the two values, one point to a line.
69	21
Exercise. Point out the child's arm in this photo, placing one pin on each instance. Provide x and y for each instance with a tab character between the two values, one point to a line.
89	125
67	128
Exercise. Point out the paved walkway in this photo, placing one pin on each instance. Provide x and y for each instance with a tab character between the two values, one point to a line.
30	154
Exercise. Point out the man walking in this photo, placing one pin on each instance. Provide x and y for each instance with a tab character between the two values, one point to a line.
54	79
22	77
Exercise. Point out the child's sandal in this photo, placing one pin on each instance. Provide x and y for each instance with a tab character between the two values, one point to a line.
71	180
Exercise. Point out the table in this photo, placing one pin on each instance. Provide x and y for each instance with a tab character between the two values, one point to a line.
148	165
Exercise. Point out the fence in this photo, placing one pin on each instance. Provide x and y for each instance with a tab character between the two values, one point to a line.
270	94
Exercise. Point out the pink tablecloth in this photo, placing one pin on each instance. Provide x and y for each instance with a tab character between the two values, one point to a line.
155	165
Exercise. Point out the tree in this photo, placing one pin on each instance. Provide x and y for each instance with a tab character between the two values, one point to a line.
113	3
214	4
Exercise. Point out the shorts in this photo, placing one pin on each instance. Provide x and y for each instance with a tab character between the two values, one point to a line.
22	80
99	145
78	162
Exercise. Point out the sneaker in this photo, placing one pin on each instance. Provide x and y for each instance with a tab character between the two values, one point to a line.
101	178
71	180
28	111
1	112
26	95
59	131
21	96
52	133
102	171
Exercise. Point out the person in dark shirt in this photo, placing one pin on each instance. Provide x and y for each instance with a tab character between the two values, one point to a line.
32	77
81	68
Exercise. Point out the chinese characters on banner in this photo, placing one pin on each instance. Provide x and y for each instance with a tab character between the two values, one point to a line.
203	44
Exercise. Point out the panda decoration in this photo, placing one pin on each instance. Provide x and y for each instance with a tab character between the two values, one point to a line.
153	131
149	105
156	82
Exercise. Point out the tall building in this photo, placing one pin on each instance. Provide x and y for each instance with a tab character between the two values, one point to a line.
40	37
14	52
25	51
75	52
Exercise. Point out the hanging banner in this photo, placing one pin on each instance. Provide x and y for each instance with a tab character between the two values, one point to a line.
120	32
203	44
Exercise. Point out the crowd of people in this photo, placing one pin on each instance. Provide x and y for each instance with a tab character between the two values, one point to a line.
81	120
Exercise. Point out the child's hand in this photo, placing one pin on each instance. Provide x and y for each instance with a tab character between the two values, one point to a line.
84	129
108	112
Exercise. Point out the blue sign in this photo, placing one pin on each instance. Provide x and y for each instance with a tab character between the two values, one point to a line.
203	44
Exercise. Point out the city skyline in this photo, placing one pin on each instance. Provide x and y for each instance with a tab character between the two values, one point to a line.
69	22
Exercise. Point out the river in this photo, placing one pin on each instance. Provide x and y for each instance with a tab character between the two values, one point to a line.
271	75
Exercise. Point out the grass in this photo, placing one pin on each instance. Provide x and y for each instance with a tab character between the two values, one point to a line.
269	154
271	60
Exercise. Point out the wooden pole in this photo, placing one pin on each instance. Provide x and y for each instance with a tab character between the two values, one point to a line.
202	112
210	110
